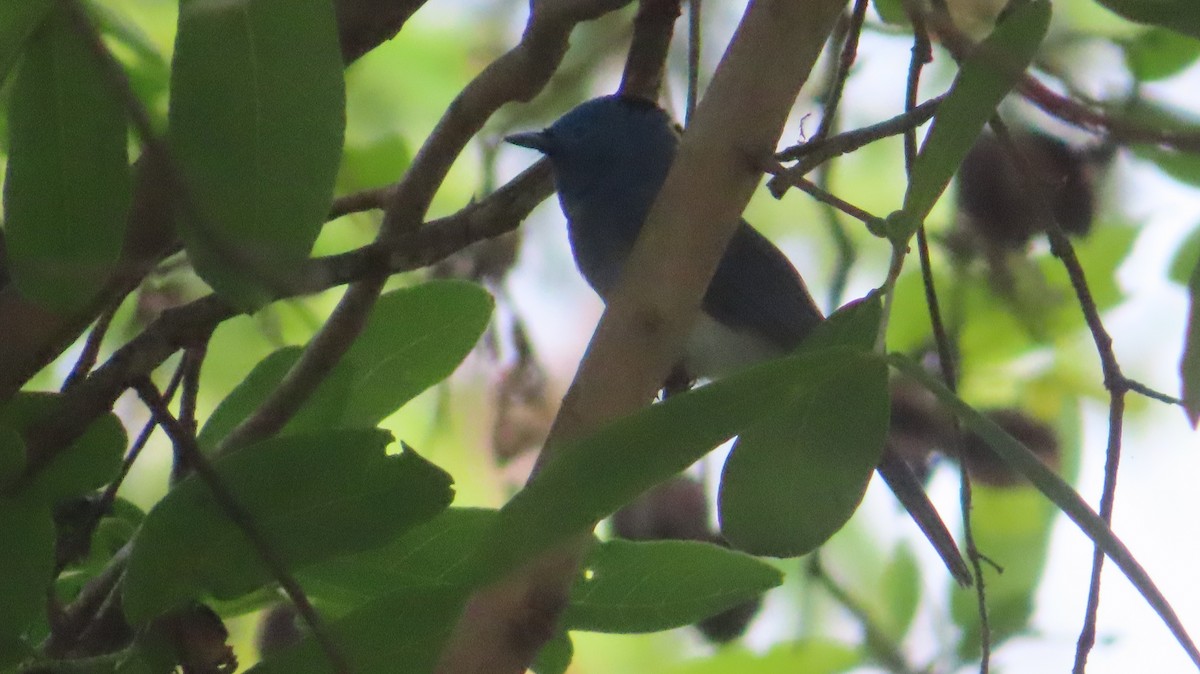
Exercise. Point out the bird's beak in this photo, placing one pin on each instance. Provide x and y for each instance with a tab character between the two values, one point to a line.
534	140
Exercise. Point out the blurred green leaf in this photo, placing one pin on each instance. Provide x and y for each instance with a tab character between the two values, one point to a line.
67	190
555	657
1159	53
1053	487
1013	526
891	11
1182	166
379	161
588	479
436	552
810	656
18	21
312	497
1189	366
415	338
648	586
257	116
900	593
26	566
12	456
1178	15
796	476
984	79
88	464
401	632
1187	257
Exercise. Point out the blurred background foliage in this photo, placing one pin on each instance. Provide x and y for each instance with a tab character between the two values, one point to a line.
875	599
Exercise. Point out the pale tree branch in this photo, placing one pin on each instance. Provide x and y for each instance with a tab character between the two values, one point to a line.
642	331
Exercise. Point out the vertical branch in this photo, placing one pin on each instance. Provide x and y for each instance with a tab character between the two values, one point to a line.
695	44
922	54
652	30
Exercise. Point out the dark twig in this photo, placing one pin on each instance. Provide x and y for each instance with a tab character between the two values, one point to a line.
193	358
1138	387
824	197
845	61
695	35
811	155
878	641
185	443
1114	380
91	348
922	53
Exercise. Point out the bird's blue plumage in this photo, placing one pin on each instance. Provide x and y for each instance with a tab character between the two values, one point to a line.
610	157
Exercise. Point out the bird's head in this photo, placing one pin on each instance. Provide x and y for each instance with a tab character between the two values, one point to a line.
608	134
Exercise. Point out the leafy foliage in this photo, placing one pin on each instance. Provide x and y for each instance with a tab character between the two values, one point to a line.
261	123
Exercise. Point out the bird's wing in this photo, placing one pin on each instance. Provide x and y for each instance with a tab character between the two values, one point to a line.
756	289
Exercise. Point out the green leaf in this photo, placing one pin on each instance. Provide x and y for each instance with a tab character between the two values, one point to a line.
590	478
810	656
1158	53
1013	524
26	566
891	11
1189	366
67	191
900	592
436	552
401	632
648	586
793	479
18	20
12	456
311	497
415	338
555	656
854	325
983	80
88	464
248	395
256	122
1187	258
1025	462
1178	15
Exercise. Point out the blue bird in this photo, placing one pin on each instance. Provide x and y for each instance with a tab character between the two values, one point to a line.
610	156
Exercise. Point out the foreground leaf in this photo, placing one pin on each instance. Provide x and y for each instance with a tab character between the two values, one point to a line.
794	478
311	497
401	632
256	121
649	586
67	191
18	20
985	77
415	338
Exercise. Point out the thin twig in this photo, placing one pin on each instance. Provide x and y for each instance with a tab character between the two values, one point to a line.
91	348
842	70
922	53
695	35
186	444
812	155
824	197
1114	380
193	358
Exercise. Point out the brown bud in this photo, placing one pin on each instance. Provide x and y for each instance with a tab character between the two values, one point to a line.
994	198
